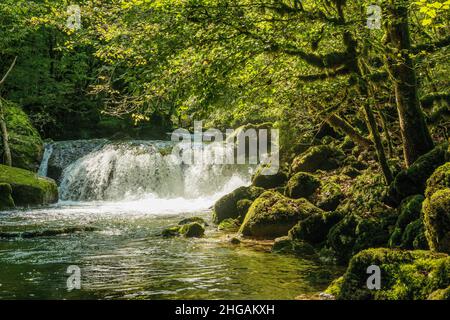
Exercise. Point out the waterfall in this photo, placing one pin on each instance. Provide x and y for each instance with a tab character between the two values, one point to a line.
140	169
44	164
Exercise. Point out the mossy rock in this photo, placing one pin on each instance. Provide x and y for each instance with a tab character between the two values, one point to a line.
354	233
317	158
440	179
273	215
269	181
6	200
414	236
24	140
412	181
315	228
192	230
405	275
334	288
409	211
288	245
302	185
227	206
437	220
329	196
28	188
193	219
171	232
350	172
229	225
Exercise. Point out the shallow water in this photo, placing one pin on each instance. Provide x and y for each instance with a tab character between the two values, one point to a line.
126	258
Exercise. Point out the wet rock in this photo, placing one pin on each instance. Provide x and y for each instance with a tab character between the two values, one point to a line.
6	200
192	230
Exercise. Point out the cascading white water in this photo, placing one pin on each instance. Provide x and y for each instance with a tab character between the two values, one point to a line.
138	170
44	163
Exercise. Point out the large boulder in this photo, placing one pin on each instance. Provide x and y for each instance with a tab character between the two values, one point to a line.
235	204
24	140
314	229
405	275
269	181
440	179
409	232
302	185
6	200
412	181
437	220
273	215
28	188
321	157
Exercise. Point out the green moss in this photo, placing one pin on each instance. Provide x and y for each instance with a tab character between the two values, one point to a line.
414	235
329	196
437	220
314	229
227	206
6	200
269	181
351	172
412	180
335	287
27	187
441	294
273	215
25	142
302	185
171	232
404	275
290	246
409	223
440	179
192	230
317	158
230	225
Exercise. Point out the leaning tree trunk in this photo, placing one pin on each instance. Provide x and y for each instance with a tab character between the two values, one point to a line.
3	127
415	135
5	140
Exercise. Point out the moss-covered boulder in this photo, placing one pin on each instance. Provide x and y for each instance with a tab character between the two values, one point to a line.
441	294
314	229
329	196
302	185
229	206
288	245
409	224
192	230
322	157
412	181
273	215
28	188
269	181
440	179
6	200
25	142
437	220
355	233
169	232
229	225
405	275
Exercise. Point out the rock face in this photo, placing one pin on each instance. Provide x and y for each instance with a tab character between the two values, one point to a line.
405	275
412	180
27	188
269	181
25	142
6	200
436	209
235	204
66	152
302	185
273	215
409	231
317	158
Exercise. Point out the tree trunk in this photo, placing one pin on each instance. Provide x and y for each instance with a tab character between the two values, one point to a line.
5	141
415	135
338	123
